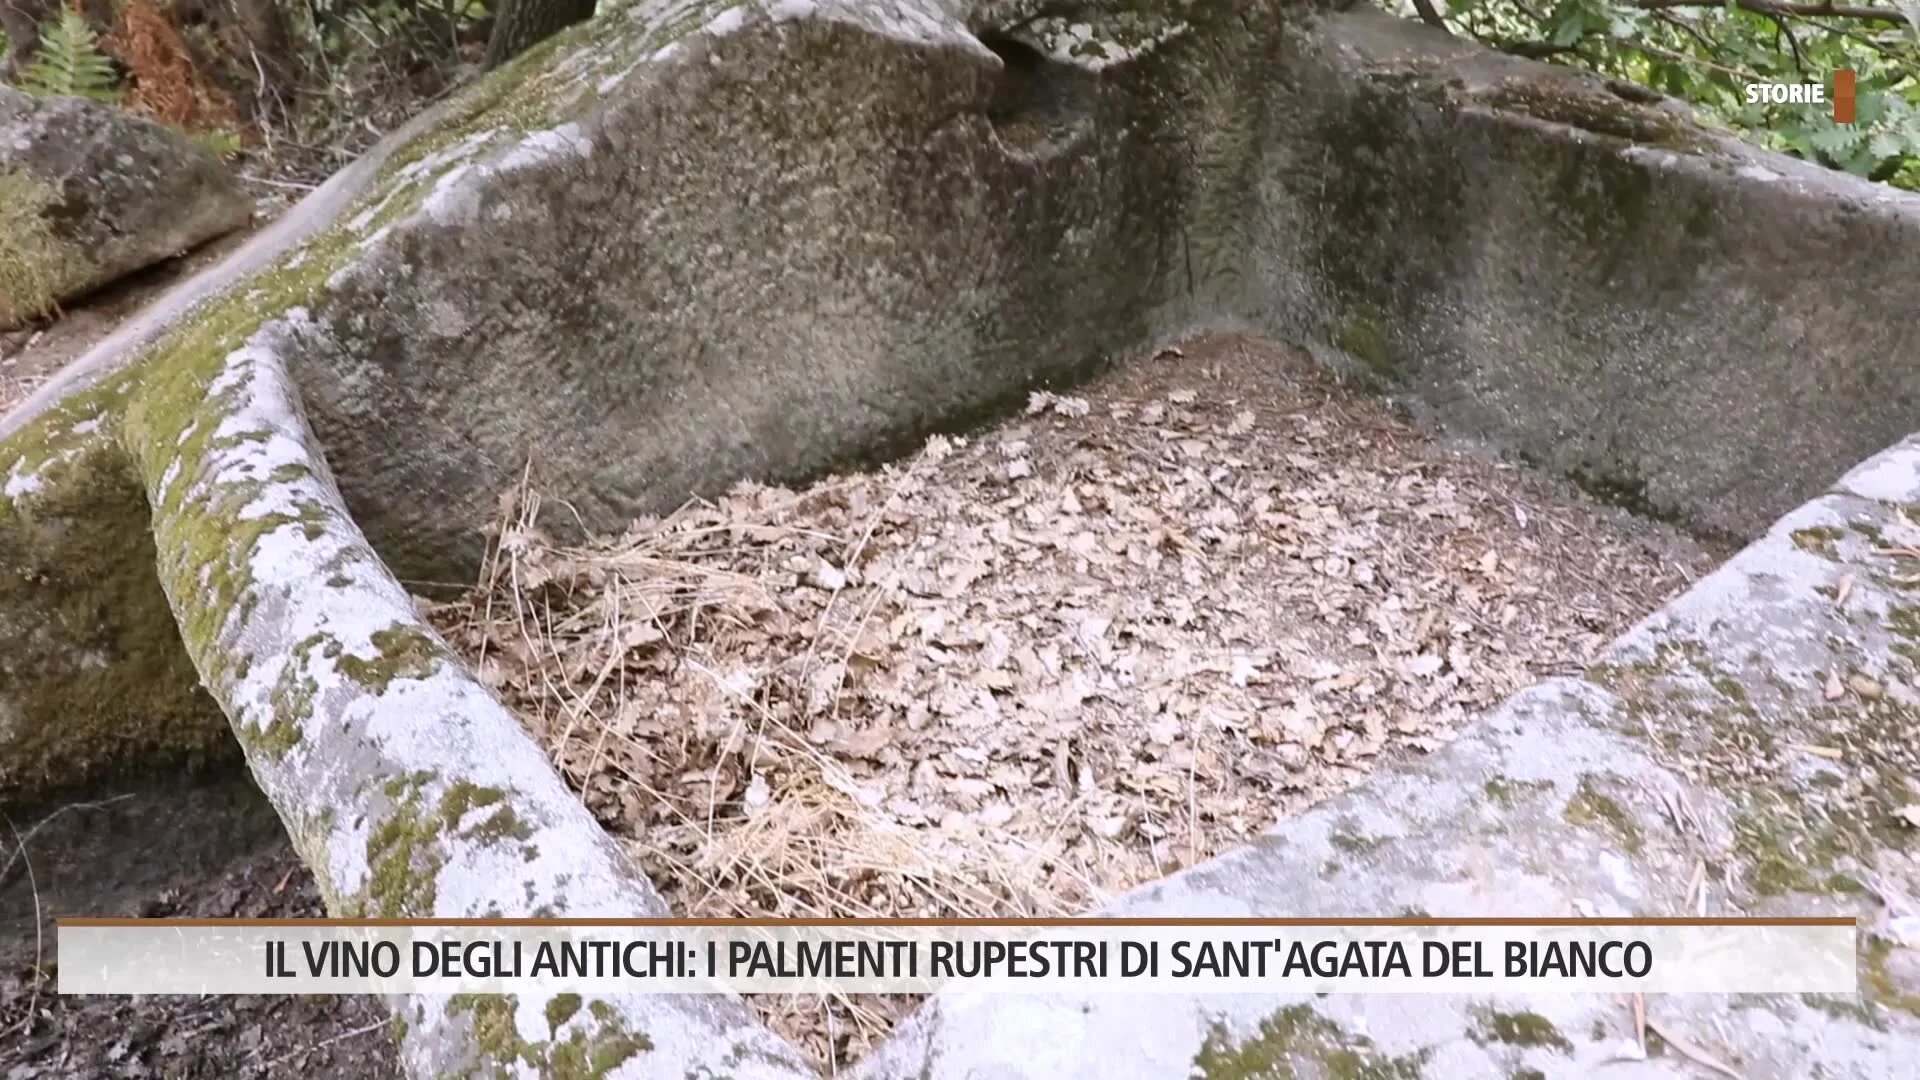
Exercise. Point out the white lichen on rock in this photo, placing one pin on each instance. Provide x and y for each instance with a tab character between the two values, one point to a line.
20	482
407	787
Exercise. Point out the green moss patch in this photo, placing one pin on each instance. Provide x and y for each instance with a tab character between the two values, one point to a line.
90	660
1591	807
1879	981
404	855
36	266
560	1009
403	652
1297	1043
206	545
1527	1029
1504	792
583	1055
1811	836
1820	540
1815	838
1360	336
1616	486
502	824
407	849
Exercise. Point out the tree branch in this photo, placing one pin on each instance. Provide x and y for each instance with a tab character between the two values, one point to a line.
1430	15
1786	7
1782	26
1534	50
1688	29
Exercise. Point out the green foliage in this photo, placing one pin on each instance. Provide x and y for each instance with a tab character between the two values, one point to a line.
369	64
319	80
417	30
1707	53
221	143
70	62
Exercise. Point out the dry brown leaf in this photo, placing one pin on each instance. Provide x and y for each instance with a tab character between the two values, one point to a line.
943	689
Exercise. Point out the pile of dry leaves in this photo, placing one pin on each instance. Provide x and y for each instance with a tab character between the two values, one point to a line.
1019	673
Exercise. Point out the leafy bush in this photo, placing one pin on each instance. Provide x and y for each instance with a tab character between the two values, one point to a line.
70	62
294	88
1705	52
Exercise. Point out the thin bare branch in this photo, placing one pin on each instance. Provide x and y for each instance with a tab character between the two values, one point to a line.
1429	14
1787	7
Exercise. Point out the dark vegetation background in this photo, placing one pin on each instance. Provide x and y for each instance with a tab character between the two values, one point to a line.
1705	52
288	90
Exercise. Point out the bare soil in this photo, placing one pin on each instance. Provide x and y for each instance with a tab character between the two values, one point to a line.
1021	672
204	848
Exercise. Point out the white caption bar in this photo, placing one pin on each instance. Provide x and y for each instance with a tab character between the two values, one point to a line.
323	957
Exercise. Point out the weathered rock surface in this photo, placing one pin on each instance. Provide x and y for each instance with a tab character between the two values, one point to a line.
698	241
93	675
89	194
406	787
695	241
1546	261
785	242
1692	770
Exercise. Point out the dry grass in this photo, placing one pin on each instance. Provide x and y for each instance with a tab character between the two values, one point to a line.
1021	673
32	259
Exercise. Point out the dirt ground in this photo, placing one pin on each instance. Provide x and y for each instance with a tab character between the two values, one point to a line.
205	848
1024	671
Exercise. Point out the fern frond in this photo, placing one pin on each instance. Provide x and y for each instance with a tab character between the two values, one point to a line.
70	62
